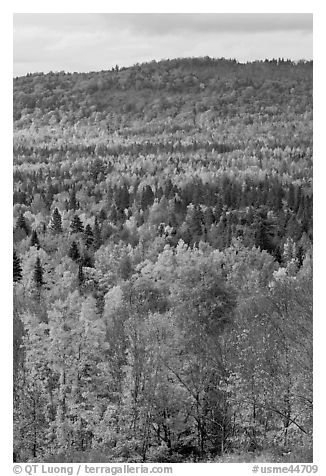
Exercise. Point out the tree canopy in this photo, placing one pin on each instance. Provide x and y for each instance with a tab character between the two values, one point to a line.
163	262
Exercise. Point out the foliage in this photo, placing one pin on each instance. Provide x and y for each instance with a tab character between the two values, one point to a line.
17	269
162	263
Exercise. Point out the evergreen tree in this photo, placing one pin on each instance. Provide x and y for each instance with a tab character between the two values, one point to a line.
228	232
168	189
125	267
87	260
298	199
198	192
208	218
122	197
38	273
102	215
218	209
76	225
97	168
97	235
72	204
17	270
56	222
307	217
147	197
159	193
48	197
301	207
34	240
73	252
88	236
291	196
114	214
293	228
194	221
264	233
222	232
81	276
21	223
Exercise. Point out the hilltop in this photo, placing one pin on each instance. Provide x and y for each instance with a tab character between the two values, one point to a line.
166	87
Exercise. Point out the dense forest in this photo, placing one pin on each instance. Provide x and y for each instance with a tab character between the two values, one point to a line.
162	263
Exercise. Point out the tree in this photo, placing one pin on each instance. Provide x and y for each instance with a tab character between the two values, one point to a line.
88	236
34	240
114	214
264	232
97	235
17	269
56	222
73	252
38	204
72	199
141	347
76	225
201	307
125	267
122	197
38	273
22	224
81	277
291	196
147	197
208	218
194	220
87	259
66	383
102	215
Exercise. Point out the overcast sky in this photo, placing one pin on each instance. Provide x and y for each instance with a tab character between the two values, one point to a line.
98	41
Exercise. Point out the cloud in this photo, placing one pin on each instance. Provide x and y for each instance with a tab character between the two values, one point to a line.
85	42
60	22
165	23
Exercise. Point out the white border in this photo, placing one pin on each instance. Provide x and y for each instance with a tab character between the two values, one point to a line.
168	6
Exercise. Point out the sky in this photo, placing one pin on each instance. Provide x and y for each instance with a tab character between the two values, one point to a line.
98	41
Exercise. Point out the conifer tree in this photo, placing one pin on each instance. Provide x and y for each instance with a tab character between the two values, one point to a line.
208	217
48	197
221	238
34	240
147	197
97	235
159	193
291	196
81	276
87	260
122	197
73	252
17	270
76	225
88	236
194	221
218	209
21	223
125	267
38	273
114	214
102	215
72	200
298	199
56	222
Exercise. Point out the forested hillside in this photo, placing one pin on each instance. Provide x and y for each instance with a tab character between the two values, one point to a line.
163	263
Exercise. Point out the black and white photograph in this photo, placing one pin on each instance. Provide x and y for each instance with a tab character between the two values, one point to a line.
162	240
